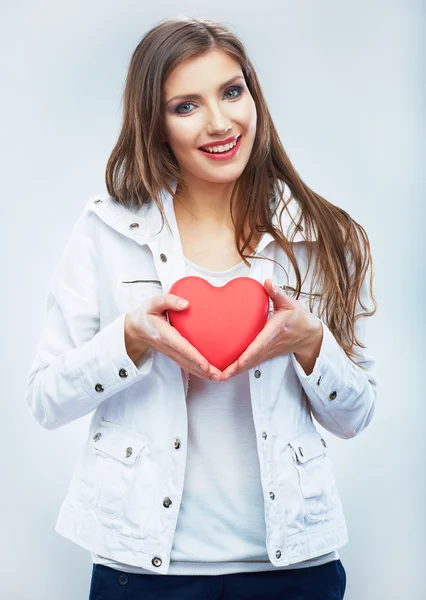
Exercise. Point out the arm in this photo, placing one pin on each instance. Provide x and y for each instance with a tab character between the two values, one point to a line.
77	365
341	394
135	348
308	358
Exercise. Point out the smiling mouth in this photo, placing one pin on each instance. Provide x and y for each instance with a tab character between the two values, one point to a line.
220	149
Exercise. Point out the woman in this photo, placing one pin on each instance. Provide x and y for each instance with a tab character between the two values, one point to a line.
218	482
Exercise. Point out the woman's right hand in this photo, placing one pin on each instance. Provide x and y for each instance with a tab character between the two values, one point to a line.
148	324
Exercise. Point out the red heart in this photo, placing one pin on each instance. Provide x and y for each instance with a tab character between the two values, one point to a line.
220	322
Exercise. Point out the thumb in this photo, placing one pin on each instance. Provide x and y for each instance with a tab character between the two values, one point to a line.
159	304
278	296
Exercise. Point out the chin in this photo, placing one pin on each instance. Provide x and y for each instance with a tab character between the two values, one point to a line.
221	177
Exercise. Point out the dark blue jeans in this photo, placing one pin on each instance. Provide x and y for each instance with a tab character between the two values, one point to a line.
323	582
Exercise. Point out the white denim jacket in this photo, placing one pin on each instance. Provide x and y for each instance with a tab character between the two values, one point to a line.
124	497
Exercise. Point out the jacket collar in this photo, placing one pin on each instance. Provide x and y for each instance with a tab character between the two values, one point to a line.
144	223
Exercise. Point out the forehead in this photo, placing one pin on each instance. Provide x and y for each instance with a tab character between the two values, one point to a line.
202	73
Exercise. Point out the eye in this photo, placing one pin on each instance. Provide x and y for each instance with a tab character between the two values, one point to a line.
236	88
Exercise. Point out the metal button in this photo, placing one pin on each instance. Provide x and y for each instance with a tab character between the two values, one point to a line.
264	435
134	225
324	443
99	387
122	373
123	579
272	495
332	395
257	373
163	257
156	561
129	451
301	451
176	443
98	200
278	553
97	437
167	502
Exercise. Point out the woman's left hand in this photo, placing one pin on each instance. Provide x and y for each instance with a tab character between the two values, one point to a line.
291	328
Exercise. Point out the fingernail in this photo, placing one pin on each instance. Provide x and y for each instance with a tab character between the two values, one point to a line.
274	287
215	377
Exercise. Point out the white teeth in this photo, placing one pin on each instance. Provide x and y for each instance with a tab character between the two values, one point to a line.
221	148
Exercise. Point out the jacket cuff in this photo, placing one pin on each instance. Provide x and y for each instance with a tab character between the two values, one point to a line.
107	366
328	383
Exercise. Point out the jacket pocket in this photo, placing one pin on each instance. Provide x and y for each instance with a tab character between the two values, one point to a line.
130	293
109	466
314	471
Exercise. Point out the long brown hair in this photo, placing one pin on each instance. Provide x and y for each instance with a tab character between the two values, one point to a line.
141	166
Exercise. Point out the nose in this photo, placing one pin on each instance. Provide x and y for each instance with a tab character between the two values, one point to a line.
218	122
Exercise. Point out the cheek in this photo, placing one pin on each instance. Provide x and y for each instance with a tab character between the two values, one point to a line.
251	117
180	138
245	115
183	132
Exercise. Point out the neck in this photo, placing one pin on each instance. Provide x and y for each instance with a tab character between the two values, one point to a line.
204	202
206	205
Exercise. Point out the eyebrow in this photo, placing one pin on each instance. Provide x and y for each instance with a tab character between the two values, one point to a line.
198	96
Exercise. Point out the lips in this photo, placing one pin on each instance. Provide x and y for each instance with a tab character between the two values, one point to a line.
234	138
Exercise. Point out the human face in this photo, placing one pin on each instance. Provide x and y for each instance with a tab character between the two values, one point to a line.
207	111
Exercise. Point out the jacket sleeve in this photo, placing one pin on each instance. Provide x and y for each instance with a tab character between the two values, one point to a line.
342	395
77	365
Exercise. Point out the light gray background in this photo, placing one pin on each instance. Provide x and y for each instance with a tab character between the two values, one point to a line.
345	85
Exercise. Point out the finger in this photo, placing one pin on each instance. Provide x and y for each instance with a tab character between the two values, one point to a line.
179	344
273	354
232	373
182	356
236	368
260	345
215	371
193	356
230	369
159	304
185	364
249	360
259	358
